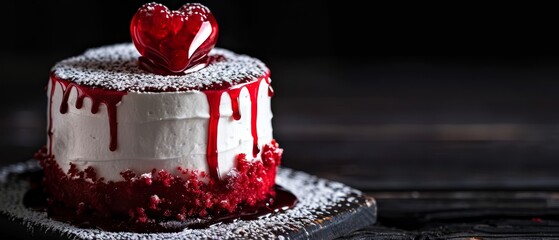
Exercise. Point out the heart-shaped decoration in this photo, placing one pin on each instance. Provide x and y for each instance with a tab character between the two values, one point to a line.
171	42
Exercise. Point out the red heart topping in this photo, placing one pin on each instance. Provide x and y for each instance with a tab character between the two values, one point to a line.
173	41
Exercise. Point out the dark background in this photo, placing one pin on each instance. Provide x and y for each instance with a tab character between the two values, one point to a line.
381	97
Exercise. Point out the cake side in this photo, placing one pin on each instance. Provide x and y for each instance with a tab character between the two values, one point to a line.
158	195
200	143
156	130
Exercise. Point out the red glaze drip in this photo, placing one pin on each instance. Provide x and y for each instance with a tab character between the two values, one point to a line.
214	100
270	89
234	95
97	95
52	87
253	92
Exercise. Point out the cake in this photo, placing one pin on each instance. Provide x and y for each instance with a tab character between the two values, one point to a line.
148	130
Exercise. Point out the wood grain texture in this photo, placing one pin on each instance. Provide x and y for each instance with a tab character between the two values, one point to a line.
464	215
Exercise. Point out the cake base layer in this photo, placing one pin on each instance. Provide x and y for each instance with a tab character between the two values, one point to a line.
158	194
325	210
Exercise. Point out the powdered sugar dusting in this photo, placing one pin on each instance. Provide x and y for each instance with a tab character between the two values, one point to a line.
319	199
116	67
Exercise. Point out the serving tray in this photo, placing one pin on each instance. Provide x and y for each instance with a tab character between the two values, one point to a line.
325	210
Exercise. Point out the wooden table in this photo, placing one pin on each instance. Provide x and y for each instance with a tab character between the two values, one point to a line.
448	151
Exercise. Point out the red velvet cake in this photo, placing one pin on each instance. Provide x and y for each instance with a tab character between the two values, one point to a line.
166	127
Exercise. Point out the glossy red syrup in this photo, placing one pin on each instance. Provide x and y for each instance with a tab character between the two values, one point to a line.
270	89
214	100
253	93
143	200
173	41
98	96
234	95
36	199
49	132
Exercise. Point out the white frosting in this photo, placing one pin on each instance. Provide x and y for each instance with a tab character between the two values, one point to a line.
161	130
116	67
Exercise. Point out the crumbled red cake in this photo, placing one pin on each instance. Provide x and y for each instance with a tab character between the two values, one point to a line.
158	194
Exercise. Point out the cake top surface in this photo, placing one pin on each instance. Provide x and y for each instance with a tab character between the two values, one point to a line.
115	67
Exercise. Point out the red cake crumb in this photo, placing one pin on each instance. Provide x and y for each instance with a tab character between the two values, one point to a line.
161	195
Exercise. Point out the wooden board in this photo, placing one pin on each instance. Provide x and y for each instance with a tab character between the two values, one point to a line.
326	210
